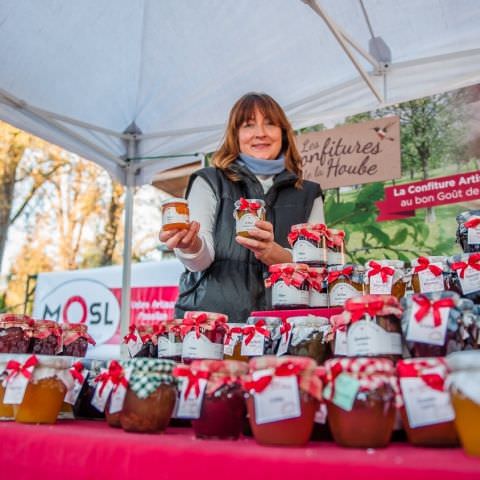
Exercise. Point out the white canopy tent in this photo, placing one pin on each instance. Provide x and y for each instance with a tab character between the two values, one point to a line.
131	84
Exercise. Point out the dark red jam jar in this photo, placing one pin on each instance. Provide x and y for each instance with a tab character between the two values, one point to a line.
47	337
15	333
75	339
464	277
468	231
289	284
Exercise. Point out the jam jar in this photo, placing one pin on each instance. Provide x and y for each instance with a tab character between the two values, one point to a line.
15	333
431	324
175	214
247	212
468	231
335	247
232	349
83	408
47	337
344	282
142	341
203	336
289	284
361	396
427	412
317	280
223	407
386	277
309	337
283	394
169	340
75	339
429	274
261	336
117	375
150	397
49	382
465	275
374	326
309	244
464	383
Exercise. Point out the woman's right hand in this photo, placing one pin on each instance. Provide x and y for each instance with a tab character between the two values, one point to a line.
187	240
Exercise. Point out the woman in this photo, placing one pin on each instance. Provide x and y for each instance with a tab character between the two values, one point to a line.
258	160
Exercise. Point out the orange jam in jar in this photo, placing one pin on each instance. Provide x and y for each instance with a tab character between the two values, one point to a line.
175	214
429	274
344	282
232	349
247	212
386	277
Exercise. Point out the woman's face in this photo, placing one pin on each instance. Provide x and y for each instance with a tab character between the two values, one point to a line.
260	138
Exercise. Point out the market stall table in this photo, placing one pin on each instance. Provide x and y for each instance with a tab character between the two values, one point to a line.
74	450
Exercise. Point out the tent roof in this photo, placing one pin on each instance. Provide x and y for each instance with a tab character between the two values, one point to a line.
80	73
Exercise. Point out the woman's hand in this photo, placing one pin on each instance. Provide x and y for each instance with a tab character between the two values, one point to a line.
187	240
263	245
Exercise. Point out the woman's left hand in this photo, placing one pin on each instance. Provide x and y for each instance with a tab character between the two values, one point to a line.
263	245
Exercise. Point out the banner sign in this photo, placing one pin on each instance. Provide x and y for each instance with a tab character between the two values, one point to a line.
401	201
352	154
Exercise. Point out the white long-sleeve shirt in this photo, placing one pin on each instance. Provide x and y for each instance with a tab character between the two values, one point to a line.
202	205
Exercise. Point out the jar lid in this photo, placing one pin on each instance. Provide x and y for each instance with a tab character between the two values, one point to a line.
206	316
467	215
228	368
305	364
45	328
308	321
373	305
174	200
270	321
360	366
17	320
470	258
432	259
388	263
285	267
347	268
151	365
420	367
249	203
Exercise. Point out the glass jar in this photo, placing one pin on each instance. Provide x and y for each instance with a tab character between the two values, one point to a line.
6	410
148	339
293	382
344	282
46	389
169	340
335	247
75	339
427	413
46	338
386	277
175	214
374	327
464	277
247	212
289	284
464	383
429	274
309	244
261	336
431	324
15	333
223	407
361	396
83	407
317	280
203	336
468	231
150	397
118	377
232	349
309	337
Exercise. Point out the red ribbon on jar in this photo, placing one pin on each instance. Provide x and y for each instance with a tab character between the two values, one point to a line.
76	371
286	369
194	323
473	222
285	328
250	330
131	335
117	375
251	206
102	378
16	368
358	310
376	268
230	332
424	264
419	369
315	278
193	379
289	273
335	238
426	305
335	274
305	231
473	262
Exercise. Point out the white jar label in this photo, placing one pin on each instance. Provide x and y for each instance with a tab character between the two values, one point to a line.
341	292
304	251
202	347
168	347
284	343
378	286
283	294
473	236
171	215
255	347
228	349
100	396
118	396
134	346
335	258
425	331
429	282
191	406
15	389
72	395
341	347
365	338
471	281
246	222
424	405
317	299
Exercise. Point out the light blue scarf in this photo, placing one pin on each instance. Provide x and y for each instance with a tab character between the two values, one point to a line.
259	166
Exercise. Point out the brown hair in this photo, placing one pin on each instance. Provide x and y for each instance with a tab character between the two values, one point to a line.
244	110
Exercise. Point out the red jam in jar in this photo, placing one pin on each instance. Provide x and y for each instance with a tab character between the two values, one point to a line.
169	340
47	337
203	336
361	396
287	417
232	349
427	413
317	280
75	339
15	333
289	284
309	244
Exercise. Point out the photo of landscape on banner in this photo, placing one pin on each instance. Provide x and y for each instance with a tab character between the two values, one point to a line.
395	179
